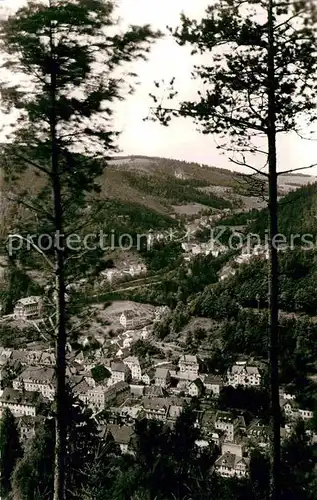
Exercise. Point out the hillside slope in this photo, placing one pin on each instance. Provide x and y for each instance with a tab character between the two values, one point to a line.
297	213
166	187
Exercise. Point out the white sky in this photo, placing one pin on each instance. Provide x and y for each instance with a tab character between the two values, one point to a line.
180	140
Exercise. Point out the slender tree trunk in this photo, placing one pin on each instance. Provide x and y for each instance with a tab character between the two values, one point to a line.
273	279
60	325
60	334
60	418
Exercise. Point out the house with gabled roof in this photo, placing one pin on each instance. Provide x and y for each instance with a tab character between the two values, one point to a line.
258	434
156	408
230	465
123	352
33	357
20	403
39	379
293	411
174	412
28	308
48	359
162	377
119	373
123	436
188	367
78	385
243	374
131	319
154	391
213	384
27	426
196	388
136	366
148	375
238	447
229	424
117	393
21	356
5	354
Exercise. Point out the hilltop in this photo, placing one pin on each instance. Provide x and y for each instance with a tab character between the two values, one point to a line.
177	187
154	192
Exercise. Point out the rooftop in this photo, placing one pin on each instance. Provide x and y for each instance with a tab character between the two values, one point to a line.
224	417
122	434
188	358
117	388
161	372
19	397
213	380
34	299
198	383
42	374
156	403
231	461
118	367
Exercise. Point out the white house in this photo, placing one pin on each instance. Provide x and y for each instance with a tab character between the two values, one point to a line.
48	359
213	384
89	379
144	334
130	319
19	403
188	367
225	422
196	388
127	342
119	373
95	398
305	414
242	374
37	379
287	396
292	411
147	376
33	357
122	435
135	366
161	312
156	408
230	465
137	269
162	377
28	308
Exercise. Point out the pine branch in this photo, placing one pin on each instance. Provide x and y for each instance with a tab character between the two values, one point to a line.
292	170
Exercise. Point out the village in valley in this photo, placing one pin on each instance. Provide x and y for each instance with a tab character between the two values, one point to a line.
128	374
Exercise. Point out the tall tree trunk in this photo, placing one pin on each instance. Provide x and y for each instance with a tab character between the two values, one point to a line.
273	279
60	318
60	334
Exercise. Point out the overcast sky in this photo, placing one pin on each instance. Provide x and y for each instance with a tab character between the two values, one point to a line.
180	140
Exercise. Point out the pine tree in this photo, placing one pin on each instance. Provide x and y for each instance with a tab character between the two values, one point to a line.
33	476
260	81
71	55
10	449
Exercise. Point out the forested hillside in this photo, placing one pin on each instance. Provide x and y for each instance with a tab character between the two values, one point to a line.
151	190
297	213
